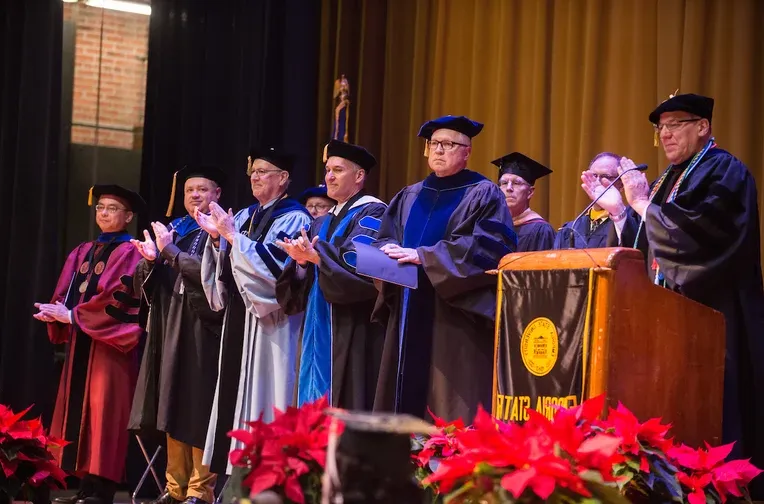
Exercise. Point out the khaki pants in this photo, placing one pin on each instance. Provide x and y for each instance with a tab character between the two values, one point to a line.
186	475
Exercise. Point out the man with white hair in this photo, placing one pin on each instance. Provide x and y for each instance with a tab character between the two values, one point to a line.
454	225
240	265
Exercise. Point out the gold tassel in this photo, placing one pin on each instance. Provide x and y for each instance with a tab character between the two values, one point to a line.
426	148
655	139
172	195
326	152
90	197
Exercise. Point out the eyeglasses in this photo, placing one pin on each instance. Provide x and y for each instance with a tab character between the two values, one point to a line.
447	145
318	207
260	173
673	126
603	176
513	183
112	209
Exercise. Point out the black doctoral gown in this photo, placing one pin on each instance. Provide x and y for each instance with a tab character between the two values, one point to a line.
534	235
440	337
706	244
586	235
342	350
176	384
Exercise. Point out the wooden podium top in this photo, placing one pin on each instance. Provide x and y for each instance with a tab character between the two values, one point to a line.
569	259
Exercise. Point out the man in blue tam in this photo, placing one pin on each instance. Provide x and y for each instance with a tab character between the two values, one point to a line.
316	201
454	225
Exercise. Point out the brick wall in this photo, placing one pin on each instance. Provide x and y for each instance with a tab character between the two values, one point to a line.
123	56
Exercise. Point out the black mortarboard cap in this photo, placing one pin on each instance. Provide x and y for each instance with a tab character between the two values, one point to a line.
701	106
461	124
351	152
132	198
522	166
380	443
313	192
273	155
179	177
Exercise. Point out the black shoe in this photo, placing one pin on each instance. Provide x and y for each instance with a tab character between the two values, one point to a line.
70	500
165	498
103	492
86	490
195	500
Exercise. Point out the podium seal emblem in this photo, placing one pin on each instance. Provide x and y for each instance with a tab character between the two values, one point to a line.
539	346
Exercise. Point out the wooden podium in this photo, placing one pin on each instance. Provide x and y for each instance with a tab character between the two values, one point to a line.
657	352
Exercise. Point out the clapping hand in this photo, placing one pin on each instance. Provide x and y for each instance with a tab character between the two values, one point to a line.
147	248
635	186
52	312
206	223
301	249
223	221
163	235
609	197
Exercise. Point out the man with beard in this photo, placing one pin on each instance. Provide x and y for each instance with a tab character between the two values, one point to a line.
454	225
241	262
95	312
341	347
176	384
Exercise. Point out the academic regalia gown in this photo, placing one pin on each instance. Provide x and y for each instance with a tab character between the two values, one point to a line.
533	232
98	379
176	384
706	245
586	235
258	352
341	347
439	339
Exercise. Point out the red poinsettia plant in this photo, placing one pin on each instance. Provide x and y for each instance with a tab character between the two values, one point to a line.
574	457
287	455
25	456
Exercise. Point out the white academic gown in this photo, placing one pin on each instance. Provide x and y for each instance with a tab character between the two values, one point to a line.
268	364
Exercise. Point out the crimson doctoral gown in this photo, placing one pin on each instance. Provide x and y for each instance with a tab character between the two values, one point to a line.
100	370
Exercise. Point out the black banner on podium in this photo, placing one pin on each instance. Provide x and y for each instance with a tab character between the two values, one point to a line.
542	341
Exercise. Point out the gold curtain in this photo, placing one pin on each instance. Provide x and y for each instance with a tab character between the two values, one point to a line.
559	80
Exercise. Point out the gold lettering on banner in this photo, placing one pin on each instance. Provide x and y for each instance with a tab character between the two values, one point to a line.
515	408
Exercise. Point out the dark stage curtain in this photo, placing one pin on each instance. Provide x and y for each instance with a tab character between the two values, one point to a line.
31	198
224	76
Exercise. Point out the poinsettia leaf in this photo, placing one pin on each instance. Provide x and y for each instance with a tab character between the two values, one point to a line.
625	480
668	479
593	476
293	491
459	492
650	480
606	493
619	468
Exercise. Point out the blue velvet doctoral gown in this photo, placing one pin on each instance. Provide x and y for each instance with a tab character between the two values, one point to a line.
439	342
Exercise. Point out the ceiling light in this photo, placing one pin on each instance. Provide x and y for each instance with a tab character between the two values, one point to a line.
121	5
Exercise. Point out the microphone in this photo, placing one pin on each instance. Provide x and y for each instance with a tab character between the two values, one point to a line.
571	239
